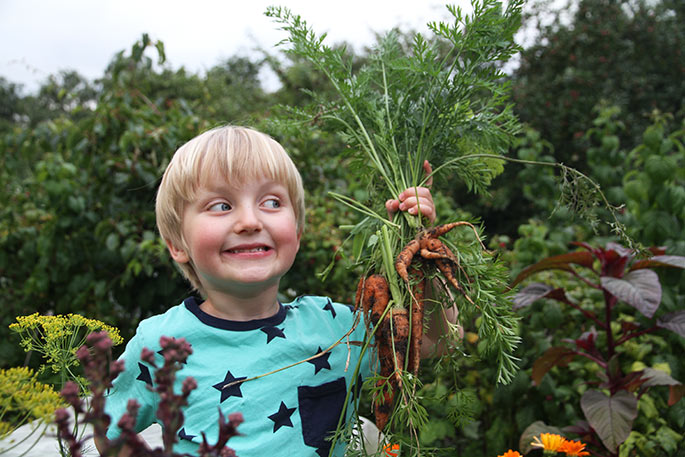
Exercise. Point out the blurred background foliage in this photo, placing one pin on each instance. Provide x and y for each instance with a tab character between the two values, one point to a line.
599	84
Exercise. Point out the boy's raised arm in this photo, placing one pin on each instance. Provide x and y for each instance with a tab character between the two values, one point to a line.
413	200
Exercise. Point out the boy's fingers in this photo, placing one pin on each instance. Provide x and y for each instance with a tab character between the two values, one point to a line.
421	192
428	170
412	205
413	199
392	206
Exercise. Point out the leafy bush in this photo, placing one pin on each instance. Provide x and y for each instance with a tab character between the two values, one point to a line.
607	277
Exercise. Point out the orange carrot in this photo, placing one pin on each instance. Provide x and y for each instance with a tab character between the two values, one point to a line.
446	268
440	230
392	344
358	302
400	340
375	297
405	257
383	406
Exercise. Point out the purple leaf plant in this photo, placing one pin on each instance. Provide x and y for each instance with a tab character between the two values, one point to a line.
621	277
100	372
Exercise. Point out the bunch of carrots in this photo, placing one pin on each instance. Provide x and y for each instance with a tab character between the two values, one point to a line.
439	102
399	332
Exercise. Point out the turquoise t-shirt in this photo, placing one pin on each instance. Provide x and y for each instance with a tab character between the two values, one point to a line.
289	412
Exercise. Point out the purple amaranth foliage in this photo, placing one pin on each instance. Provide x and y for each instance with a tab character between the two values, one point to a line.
227	430
66	432
169	410
95	357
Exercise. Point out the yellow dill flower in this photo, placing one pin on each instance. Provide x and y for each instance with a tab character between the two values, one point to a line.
549	442
574	448
24	399
6	428
95	325
57	338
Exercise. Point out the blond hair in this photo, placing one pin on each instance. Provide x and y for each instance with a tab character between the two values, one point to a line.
238	154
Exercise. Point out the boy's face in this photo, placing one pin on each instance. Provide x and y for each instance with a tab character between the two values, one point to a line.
240	238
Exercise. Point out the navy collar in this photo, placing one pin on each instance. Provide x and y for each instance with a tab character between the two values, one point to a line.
193	305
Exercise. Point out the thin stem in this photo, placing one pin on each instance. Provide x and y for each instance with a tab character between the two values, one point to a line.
559	165
631	335
365	347
598	361
609	301
398	172
590	315
585	280
362	208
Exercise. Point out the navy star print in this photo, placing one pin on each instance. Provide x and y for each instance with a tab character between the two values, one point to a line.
144	374
230	391
281	418
329	307
184	436
272	332
321	361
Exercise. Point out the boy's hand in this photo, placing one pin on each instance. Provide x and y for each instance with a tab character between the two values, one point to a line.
415	198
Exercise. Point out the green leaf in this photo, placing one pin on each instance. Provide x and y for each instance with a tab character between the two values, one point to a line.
640	289
112	241
557	355
611	417
557	262
668	439
358	244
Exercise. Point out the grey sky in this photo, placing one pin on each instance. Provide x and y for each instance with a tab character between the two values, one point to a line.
41	37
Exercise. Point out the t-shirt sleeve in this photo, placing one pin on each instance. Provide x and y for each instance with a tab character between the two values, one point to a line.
132	383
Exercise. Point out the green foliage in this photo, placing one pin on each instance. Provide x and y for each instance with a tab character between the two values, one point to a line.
586	54
400	109
443	101
78	235
627	53
654	186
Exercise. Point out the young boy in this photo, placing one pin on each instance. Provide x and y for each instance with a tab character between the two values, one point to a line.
230	208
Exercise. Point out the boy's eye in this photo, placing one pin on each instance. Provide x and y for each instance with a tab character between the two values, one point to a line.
223	206
272	203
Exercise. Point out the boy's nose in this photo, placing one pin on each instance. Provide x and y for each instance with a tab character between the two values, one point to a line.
248	220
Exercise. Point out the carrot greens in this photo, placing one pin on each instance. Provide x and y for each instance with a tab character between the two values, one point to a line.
438	99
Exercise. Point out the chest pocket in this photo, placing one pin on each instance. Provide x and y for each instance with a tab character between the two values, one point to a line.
320	409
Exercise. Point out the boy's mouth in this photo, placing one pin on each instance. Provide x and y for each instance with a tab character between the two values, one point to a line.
246	250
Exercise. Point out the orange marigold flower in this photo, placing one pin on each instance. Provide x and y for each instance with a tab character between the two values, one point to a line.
574	448
391	450
510	453
549	442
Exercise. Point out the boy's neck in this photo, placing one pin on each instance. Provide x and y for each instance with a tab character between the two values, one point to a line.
259	306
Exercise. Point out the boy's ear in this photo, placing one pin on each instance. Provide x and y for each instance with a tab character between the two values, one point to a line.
178	254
